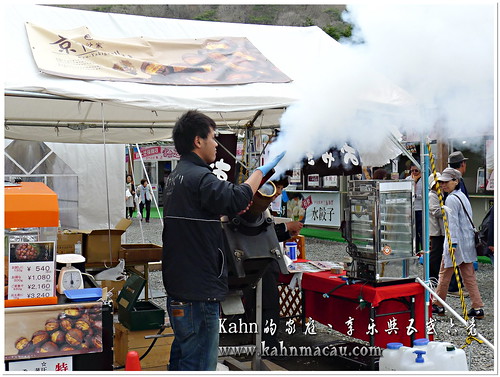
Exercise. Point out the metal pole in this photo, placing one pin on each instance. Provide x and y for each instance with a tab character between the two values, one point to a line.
455	314
425	218
257	357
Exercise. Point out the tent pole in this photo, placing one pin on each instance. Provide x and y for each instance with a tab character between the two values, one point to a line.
107	185
424	153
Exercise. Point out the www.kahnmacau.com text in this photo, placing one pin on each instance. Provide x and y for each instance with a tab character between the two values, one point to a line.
302	351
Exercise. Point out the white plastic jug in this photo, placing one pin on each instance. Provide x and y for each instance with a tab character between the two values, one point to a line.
391	357
447	357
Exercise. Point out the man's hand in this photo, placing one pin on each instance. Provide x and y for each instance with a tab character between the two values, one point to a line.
294	227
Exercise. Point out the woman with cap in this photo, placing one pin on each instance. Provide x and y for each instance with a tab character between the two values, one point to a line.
436	230
462	239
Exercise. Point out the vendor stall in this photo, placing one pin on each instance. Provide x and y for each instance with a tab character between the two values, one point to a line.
46	330
379	315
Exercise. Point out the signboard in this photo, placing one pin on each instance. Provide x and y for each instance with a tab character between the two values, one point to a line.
314	208
224	166
330	181
53	364
77	53
343	161
155	153
35	332
313	180
490	165
31	270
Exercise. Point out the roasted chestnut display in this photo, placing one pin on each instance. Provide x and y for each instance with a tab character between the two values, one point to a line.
49	347
74	337
75	328
24	345
58	337
66	324
51	324
73	312
26	251
39	337
83	325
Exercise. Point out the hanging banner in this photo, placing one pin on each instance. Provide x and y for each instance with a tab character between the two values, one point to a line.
224	166
78	54
343	161
156	153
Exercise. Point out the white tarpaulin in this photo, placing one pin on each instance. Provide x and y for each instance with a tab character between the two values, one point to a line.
94	180
136	112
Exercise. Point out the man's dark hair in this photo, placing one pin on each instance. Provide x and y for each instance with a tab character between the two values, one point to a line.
380	174
188	126
455	165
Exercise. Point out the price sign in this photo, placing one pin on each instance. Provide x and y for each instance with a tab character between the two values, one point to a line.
31	270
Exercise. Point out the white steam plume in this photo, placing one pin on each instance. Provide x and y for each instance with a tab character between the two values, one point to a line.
420	69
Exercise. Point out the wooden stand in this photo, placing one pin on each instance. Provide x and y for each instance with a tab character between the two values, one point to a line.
126	340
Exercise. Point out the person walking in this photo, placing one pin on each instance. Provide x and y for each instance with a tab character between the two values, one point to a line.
129	196
194	268
416	175
462	240
436	231
145	196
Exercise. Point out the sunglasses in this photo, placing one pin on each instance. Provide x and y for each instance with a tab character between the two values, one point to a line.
414	170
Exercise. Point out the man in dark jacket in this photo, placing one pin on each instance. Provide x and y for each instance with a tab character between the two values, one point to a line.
457	161
193	265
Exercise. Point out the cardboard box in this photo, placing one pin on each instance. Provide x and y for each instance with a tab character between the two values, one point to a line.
114	287
69	243
126	340
140	253
96	243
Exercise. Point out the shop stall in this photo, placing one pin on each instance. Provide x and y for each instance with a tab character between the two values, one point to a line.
47	329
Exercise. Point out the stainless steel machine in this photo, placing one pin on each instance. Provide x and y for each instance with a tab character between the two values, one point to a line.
380	227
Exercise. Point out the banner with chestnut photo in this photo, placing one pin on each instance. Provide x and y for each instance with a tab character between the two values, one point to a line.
58	330
77	53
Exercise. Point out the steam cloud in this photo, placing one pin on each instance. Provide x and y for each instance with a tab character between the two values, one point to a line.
420	69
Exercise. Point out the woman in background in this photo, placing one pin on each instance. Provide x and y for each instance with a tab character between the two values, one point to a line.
462	240
145	196
129	197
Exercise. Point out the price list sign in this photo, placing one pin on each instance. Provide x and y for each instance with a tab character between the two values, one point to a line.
31	270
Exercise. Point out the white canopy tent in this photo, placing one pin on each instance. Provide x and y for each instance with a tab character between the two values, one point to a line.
43	107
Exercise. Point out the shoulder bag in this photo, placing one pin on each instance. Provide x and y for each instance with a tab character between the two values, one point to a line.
481	245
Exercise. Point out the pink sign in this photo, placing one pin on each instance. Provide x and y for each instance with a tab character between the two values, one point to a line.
306	202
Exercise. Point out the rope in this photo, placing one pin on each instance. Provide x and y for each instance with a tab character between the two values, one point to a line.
451	249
